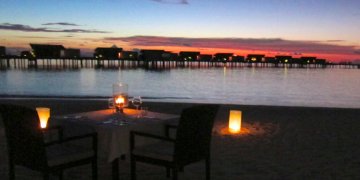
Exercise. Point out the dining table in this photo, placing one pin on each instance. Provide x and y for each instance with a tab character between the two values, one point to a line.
113	129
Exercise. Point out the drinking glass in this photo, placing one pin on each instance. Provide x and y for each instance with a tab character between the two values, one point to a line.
136	100
111	104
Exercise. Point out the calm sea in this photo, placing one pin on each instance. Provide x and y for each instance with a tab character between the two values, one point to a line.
312	87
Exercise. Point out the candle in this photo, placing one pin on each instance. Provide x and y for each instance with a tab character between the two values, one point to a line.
119	101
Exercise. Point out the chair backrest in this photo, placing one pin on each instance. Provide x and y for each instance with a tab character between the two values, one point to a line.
24	136
194	132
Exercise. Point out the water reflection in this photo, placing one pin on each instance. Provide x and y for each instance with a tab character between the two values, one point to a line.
285	72
266	86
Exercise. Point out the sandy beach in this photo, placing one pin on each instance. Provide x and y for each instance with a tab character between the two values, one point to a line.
285	143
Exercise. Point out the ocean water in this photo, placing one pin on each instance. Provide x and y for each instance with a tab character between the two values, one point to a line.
310	87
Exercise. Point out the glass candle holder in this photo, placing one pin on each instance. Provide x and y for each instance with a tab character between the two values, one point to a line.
120	96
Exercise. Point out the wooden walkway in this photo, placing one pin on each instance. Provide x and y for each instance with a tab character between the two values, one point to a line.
16	62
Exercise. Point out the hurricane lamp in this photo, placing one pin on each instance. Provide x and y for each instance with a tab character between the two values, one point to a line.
120	96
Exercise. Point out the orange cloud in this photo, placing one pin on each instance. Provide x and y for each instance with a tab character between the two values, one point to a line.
271	45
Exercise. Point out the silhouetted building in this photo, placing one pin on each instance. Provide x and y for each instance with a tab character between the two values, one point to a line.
236	58
297	61
2	51
308	60
270	60
189	56
169	56
223	57
108	53
129	55
27	54
151	55
205	57
320	61
283	59
255	58
72	53
47	50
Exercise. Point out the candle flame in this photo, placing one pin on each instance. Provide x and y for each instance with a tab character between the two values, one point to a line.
43	124
119	100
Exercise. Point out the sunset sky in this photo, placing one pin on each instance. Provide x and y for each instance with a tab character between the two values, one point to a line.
327	29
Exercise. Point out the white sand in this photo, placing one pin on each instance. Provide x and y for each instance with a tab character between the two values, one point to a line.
281	143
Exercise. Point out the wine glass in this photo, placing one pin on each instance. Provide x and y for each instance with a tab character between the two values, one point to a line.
111	104
136	100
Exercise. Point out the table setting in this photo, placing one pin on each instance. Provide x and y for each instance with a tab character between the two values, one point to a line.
113	125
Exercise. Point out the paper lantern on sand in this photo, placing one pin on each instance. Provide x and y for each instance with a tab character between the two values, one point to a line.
44	114
235	121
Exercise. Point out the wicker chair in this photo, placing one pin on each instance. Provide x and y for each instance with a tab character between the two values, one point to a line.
191	144
28	146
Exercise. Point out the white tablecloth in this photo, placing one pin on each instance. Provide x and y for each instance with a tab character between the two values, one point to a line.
113	139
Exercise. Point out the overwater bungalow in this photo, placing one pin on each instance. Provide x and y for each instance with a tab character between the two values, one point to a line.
170	56
255	58
72	53
129	55
47	50
151	55
223	57
308	60
27	54
189	55
320	61
283	59
108	53
205	57
237	58
297	61
270	60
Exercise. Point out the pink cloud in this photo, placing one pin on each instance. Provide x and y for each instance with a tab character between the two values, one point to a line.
61	23
26	28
